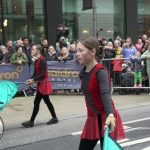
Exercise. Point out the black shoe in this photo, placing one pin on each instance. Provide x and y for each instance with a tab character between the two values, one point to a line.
52	121
28	124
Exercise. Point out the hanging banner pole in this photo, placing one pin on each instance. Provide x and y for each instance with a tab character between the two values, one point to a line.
91	4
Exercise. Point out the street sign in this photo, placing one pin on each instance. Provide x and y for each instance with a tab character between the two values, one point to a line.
87	4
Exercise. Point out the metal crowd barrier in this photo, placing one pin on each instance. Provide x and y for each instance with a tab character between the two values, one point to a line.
127	63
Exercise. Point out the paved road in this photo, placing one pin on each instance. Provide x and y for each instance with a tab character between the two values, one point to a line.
61	136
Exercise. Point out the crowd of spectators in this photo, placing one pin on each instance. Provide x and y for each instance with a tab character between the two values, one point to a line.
137	56
115	52
19	52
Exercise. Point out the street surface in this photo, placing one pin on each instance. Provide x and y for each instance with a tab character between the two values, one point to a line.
134	109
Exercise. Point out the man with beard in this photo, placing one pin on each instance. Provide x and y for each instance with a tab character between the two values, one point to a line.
44	44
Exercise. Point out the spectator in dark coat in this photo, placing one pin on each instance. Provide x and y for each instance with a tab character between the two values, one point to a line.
9	46
62	43
18	43
10	50
73	51
3	52
52	55
44	44
61	31
26	49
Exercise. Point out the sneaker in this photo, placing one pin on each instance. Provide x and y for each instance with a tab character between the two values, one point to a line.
53	121
34	93
135	85
80	93
140	85
28	124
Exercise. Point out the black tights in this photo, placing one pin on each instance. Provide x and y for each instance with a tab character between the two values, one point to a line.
86	144
37	101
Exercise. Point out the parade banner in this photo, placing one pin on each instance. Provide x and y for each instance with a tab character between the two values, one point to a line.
15	73
63	75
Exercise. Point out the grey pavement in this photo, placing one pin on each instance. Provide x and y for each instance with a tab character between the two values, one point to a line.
66	106
60	137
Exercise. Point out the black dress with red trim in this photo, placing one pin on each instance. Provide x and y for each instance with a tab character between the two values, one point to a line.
43	84
98	103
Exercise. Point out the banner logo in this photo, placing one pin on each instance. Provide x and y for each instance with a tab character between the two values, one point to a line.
11	75
19	68
63	73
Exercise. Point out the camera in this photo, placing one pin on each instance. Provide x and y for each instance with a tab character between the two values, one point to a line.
100	29
65	28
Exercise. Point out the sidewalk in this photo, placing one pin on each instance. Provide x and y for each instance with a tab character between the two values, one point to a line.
66	106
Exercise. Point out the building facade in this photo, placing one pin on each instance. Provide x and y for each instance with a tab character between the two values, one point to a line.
40	18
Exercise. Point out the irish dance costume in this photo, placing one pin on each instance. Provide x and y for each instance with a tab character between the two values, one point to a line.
96	89
44	88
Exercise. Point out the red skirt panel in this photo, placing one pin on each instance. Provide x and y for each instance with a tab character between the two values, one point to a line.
44	87
91	128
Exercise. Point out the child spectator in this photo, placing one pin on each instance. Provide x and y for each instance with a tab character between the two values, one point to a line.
117	69
139	45
137	69
127	78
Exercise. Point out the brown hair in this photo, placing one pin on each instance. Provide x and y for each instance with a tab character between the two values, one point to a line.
131	45
40	48
60	25
92	43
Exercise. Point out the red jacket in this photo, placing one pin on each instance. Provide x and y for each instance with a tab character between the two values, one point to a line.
117	64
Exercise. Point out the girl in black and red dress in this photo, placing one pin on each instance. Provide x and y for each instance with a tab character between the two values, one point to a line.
96	88
43	86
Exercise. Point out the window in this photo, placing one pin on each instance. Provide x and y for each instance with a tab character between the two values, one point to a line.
110	18
22	18
143	17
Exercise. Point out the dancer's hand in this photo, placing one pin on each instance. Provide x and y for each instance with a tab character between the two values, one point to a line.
110	122
30	81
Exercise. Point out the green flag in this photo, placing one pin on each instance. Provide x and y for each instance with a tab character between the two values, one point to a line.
7	91
110	143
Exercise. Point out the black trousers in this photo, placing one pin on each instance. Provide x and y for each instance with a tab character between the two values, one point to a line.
86	144
117	78
37	101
